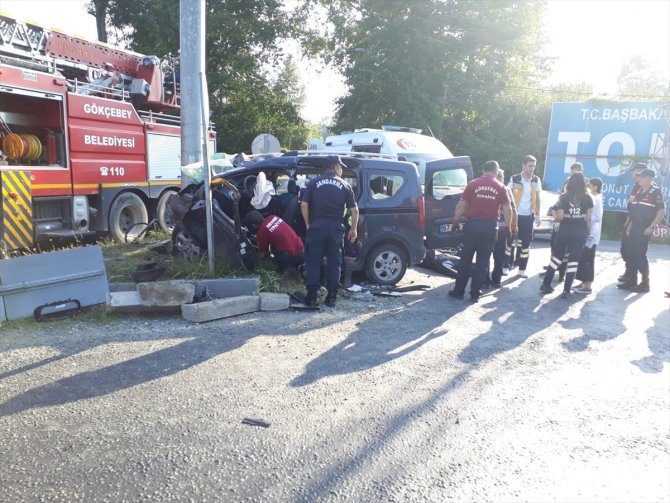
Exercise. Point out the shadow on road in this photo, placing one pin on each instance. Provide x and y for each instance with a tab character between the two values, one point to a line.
133	372
513	324
202	342
659	345
364	348
597	318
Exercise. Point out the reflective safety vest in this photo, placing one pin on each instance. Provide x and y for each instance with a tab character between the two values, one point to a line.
517	191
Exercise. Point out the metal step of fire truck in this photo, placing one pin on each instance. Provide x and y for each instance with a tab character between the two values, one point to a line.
89	67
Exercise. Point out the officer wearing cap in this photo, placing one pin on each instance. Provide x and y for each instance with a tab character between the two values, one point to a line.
481	202
625	240
645	211
322	207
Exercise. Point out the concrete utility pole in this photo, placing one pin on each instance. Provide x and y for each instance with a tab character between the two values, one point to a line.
192	63
195	103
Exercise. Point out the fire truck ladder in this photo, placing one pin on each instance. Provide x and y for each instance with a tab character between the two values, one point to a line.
31	42
24	41
90	67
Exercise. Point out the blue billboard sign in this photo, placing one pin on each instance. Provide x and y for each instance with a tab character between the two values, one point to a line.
608	139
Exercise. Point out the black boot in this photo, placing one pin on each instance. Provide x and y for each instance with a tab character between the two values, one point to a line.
310	299
630	285
330	299
643	286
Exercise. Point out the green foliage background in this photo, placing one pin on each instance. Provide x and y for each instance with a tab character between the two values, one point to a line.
471	72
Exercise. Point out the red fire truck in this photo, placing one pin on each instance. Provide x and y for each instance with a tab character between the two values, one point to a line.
89	134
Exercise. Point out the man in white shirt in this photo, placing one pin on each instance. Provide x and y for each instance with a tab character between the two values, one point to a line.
526	188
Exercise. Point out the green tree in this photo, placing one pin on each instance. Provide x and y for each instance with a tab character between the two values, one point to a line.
459	68
289	94
98	8
640	79
244	40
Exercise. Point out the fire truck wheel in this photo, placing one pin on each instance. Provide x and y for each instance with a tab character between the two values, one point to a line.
162	215
126	216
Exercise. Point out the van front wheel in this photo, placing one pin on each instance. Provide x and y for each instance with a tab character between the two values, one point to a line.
386	264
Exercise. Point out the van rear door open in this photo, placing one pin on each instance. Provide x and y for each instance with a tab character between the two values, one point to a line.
445	181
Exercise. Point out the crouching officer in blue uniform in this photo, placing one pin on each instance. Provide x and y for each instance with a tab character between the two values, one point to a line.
322	208
646	210
481	202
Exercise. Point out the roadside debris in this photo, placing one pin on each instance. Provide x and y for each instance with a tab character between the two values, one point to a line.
148	272
385	293
33	281
300	302
255	422
57	310
365	291
411	288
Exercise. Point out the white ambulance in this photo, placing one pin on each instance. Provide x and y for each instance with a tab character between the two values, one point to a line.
390	140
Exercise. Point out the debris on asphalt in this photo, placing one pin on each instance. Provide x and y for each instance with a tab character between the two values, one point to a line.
255	422
362	296
411	288
355	288
385	293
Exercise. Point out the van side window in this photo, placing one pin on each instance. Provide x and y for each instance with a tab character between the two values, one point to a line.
383	186
305	176
448	182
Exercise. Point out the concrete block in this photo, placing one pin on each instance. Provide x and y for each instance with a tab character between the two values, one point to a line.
223	288
131	302
166	293
274	301
124	299
221	308
123	287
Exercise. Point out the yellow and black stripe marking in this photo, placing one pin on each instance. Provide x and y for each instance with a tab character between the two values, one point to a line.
17	210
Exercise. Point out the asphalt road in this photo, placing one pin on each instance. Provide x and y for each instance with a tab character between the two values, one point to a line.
421	398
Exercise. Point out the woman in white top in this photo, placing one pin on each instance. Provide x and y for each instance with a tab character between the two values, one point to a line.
586	268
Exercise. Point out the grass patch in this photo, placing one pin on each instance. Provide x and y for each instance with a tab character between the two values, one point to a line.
121	260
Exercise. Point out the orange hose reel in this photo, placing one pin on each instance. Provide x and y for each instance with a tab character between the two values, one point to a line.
25	147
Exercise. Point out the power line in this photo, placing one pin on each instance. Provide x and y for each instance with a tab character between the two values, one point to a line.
584	93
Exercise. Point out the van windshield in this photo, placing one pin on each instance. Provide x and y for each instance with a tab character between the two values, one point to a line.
420	161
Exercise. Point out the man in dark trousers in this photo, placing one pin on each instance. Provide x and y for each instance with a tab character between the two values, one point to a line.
276	236
503	244
575	167
626	243
645	211
322	207
526	188
481	202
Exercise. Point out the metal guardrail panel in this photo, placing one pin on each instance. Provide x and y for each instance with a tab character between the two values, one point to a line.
32	281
